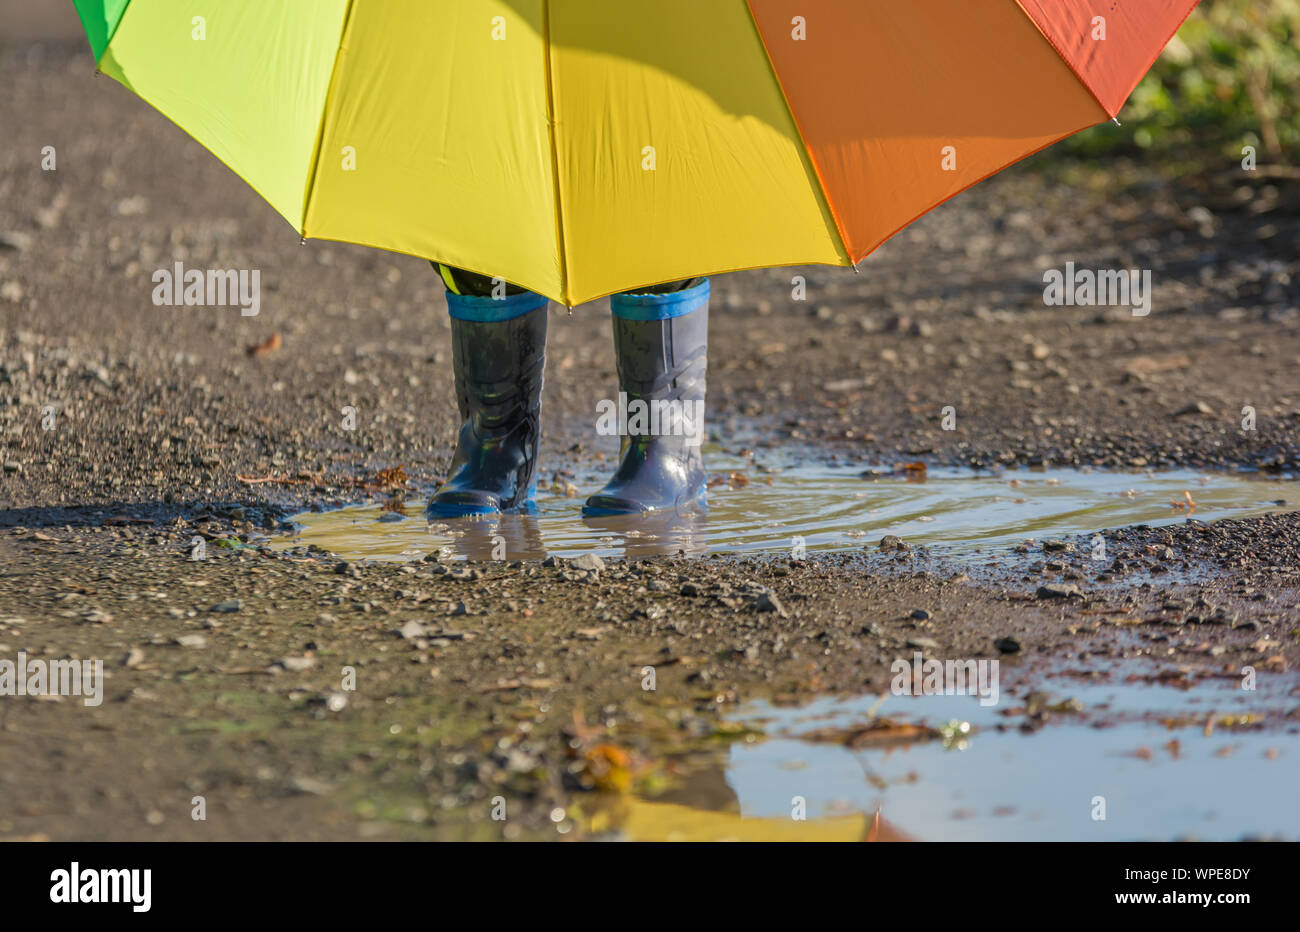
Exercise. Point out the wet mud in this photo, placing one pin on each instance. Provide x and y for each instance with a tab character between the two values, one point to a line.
622	692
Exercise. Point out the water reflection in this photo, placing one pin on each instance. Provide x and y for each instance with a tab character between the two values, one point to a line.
757	508
1213	761
660	535
520	536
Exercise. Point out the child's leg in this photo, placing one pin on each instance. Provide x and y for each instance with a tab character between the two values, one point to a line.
661	347
670	287
461	282
498	356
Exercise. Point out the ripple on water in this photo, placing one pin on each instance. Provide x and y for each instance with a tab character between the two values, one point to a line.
824	508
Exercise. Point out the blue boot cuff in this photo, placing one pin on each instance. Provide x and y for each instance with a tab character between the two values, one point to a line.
493	310
660	306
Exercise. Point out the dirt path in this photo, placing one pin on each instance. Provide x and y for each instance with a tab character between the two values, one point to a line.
225	677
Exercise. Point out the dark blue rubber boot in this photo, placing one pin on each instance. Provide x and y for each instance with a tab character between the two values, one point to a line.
661	346
498	353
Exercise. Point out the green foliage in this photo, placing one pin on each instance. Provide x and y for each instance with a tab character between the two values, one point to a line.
1229	79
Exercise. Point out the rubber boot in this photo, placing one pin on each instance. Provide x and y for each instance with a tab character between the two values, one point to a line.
661	347
498	353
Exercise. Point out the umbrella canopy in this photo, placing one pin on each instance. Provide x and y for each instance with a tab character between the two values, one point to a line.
583	147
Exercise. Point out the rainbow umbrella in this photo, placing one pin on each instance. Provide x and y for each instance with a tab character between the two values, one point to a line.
584	147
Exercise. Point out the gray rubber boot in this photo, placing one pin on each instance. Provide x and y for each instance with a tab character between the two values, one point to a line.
661	347
498	356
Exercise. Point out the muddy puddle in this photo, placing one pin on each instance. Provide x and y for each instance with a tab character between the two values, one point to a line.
757	508
1062	758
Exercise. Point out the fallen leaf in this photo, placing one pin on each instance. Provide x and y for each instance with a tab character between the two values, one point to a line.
878	732
392	477
1149	365
610	767
266	347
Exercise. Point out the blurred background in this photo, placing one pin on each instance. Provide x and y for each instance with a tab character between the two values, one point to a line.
1230	78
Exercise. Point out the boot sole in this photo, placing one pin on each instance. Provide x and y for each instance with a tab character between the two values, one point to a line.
461	505
607	506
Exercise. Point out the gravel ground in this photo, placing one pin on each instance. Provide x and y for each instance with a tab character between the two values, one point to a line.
525	681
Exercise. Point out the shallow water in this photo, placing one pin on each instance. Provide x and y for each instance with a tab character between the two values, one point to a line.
761	509
1144	749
